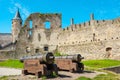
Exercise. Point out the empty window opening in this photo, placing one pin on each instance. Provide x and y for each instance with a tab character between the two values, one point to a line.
108	49
21	23
47	25
30	30
45	48
35	26
29	34
39	37
31	23
36	50
93	36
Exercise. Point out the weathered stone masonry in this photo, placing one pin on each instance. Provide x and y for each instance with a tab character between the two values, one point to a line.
89	38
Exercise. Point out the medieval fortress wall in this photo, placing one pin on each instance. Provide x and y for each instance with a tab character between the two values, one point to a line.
94	39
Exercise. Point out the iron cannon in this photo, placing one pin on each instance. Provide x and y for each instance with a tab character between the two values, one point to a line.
76	57
70	63
45	58
40	64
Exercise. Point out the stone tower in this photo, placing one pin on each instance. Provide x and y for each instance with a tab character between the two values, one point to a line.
16	26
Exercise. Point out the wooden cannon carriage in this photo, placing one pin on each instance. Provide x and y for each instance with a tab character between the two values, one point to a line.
70	63
42	64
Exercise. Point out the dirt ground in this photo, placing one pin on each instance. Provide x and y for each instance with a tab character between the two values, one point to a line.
63	75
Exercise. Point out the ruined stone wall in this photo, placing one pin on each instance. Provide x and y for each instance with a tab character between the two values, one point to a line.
92	38
95	39
37	37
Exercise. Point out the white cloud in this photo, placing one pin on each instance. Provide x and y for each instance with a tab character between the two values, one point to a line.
23	10
12	10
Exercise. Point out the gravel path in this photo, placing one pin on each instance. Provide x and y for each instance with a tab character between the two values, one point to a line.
63	75
9	71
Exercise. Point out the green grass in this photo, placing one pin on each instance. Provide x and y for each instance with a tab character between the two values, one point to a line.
101	63
11	64
83	78
108	76
4	78
96	64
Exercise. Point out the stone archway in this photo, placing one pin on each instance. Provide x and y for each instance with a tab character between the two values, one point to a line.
108	52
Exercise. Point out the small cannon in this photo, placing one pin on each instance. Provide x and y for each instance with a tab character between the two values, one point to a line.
40	64
76	57
70	63
44	58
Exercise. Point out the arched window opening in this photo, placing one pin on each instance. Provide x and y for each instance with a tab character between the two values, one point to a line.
46	48
108	48
47	25
31	24
30	30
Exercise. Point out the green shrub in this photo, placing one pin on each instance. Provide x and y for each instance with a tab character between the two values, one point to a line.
57	54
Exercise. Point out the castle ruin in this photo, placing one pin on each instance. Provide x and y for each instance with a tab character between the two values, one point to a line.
95	39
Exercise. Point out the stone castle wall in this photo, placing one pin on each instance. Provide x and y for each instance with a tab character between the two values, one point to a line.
93	39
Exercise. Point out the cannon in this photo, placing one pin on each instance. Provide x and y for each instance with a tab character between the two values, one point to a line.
40	64
44	58
70	63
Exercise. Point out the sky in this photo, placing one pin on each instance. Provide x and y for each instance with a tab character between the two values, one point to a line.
80	10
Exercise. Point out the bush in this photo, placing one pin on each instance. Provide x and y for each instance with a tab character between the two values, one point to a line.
57	54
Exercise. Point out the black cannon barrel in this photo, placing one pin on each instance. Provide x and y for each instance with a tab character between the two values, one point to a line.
47	57
76	57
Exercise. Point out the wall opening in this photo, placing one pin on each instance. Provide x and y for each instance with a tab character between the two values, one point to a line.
39	37
30	30
47	25
108	49
31	23
46	48
108	52
36	50
28	49
93	36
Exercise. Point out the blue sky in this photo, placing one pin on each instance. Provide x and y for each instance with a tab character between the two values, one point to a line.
80	10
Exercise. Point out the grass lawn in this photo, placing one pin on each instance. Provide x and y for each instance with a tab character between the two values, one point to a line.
101	63
108	76
11	64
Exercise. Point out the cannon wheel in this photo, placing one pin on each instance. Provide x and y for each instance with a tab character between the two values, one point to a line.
55	68
38	74
24	72
81	67
72	70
